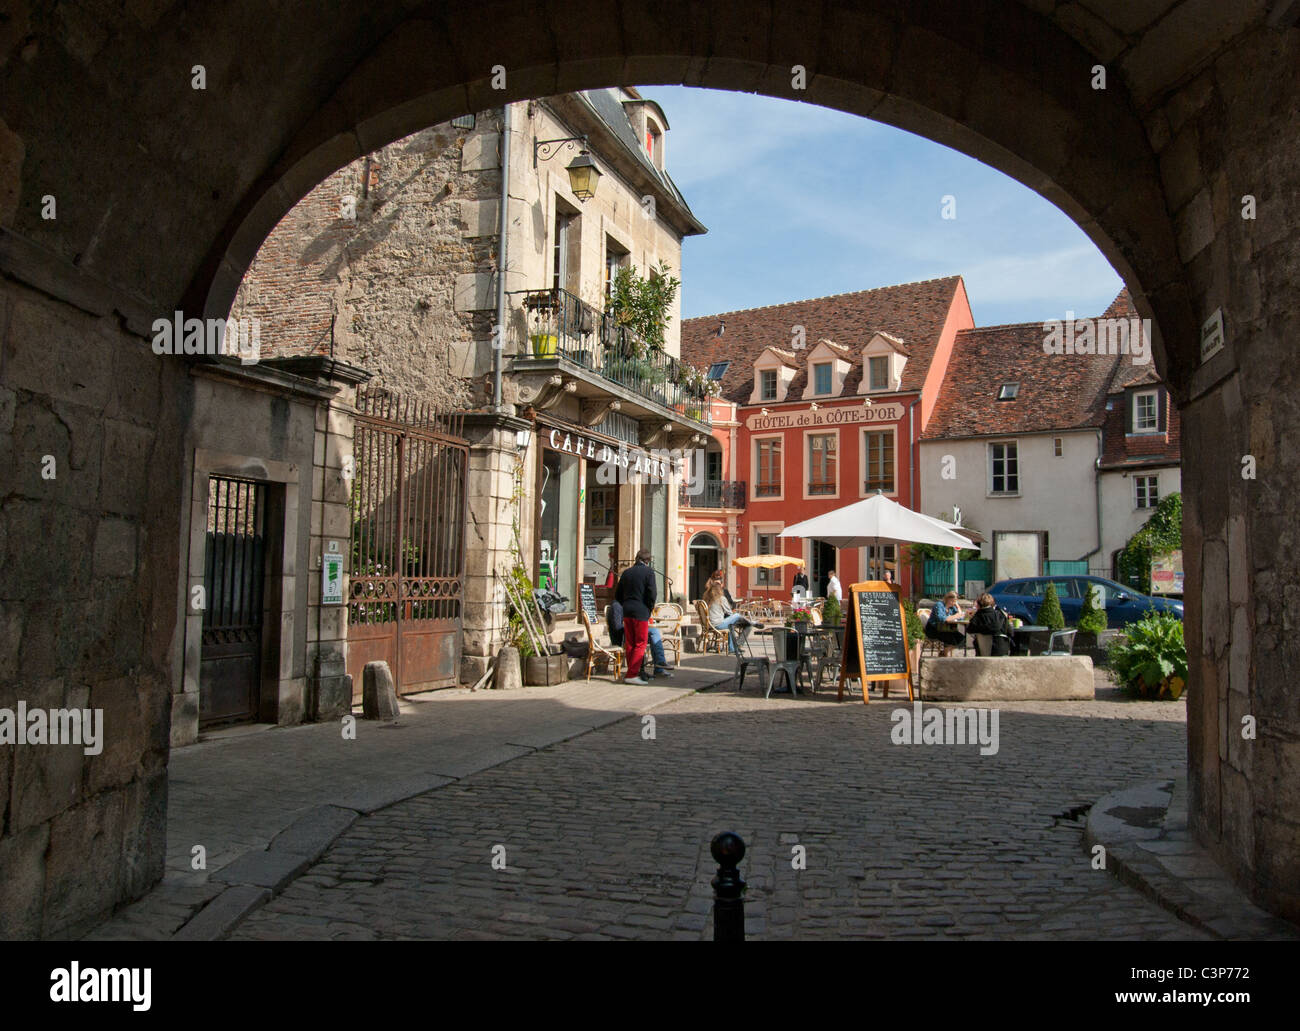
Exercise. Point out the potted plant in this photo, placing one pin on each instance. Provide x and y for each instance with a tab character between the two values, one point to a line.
1092	622
538	670
545	345
832	614
1150	660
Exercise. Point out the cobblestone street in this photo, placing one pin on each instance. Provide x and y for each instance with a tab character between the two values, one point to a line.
606	835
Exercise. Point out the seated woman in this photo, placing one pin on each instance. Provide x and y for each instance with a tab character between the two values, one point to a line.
720	614
942	625
991	620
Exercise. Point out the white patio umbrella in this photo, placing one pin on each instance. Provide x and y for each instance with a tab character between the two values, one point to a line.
873	520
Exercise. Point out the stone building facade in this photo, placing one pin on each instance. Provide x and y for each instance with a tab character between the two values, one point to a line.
391	265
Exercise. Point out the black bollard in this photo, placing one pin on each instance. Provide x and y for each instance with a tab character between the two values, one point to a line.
728	888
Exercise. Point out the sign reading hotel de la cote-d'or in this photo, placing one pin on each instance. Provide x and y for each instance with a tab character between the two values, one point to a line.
802	418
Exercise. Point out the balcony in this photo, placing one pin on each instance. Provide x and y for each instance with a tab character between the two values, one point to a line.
884	486
716	494
821	487
767	490
554	329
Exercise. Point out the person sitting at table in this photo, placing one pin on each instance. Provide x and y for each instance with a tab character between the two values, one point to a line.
991	620
943	623
654	641
721	615
720	578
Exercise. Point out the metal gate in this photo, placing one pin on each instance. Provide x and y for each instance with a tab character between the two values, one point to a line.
409	511
234	579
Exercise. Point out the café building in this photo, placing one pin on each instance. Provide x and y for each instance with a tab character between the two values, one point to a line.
832	395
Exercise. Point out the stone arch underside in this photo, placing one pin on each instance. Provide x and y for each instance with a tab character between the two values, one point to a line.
166	192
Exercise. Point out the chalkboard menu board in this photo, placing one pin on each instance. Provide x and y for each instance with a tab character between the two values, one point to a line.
588	597
875	637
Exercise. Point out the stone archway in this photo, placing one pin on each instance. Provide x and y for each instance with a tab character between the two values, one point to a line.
704	559
143	160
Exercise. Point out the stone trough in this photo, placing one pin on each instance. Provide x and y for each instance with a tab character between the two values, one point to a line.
1053	678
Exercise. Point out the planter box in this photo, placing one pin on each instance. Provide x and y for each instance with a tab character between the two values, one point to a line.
546	670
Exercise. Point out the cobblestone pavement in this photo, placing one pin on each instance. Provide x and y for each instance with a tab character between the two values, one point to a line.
606	835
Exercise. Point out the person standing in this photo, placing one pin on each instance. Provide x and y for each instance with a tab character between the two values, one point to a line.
833	587
801	580
636	592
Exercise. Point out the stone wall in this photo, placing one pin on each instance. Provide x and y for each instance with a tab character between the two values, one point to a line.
1228	133
88	604
378	289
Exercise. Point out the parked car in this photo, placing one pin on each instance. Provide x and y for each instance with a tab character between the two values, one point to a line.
1023	597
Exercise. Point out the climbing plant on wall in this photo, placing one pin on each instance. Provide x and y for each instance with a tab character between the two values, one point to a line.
1162	533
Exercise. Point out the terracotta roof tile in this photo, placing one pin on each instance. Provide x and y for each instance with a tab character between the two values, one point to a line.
912	312
1056	392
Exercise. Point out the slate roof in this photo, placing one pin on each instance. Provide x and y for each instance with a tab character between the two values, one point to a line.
912	312
608	106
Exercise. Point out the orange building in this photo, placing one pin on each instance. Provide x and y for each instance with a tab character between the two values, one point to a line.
831	397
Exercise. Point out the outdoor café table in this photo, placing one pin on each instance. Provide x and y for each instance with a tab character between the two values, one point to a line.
1027	630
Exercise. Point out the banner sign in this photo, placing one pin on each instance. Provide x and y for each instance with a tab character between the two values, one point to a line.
803	419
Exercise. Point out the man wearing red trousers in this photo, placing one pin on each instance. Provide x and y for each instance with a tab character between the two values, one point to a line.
636	593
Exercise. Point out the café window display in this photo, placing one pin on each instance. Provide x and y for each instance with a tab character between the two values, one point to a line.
557	523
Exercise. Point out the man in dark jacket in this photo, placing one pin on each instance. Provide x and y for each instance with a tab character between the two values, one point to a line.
637	594
655	640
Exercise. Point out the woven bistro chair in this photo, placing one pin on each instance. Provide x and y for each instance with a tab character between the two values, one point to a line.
710	638
667	617
929	646
612	654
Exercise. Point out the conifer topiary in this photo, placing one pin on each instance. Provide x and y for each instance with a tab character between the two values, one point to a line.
1049	613
1092	617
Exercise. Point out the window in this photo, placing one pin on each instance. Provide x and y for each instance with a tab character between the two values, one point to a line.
878	449
718	369
1056	447
713	465
564	265
767	385
615	259
602	508
1004	469
653	139
877	373
767	481
821	464
822	378
1146	412
765	544
1146	490
1008	391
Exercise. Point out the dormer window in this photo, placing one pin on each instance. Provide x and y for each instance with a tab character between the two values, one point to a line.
1008	391
767	384
878	373
822	378
654	142
1146	412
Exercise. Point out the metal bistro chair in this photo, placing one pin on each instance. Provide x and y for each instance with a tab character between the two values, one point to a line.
747	660
789	668
828	660
1066	640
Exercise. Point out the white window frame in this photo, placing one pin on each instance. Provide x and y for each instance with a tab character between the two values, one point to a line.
872	382
1139	495
776	384
863	454
753	466
830	379
1155	411
993	491
764	577
807	463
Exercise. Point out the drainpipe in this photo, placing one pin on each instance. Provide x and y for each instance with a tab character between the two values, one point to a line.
912	448
1096	477
499	341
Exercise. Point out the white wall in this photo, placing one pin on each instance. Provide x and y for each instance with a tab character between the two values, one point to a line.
1056	494
1120	516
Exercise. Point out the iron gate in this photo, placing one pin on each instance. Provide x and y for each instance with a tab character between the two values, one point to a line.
408	542
234	578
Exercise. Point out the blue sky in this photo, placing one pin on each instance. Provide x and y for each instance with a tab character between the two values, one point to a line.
801	201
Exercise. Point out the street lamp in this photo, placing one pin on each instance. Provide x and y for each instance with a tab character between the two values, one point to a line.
583	173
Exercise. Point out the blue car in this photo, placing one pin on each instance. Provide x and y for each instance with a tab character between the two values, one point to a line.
1024	596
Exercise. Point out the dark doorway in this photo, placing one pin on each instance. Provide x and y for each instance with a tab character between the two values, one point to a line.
823	561
234	579
705	557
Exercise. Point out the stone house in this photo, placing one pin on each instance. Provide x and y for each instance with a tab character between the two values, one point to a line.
391	266
1038	448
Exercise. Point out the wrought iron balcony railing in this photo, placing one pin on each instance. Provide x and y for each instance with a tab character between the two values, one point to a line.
716	494
561	325
767	490
821	487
